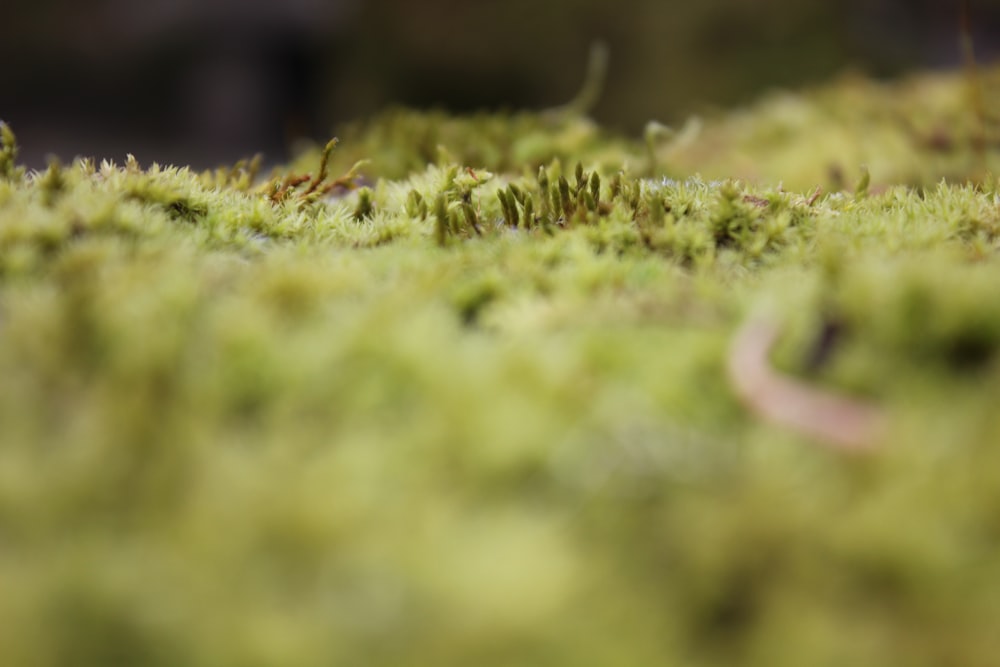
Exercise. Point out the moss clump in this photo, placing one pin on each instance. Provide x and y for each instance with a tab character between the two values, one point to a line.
434	414
9	170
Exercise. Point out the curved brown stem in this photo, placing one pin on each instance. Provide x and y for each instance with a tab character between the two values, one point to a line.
837	421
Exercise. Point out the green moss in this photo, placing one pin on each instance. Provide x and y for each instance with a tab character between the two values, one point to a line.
9	170
477	412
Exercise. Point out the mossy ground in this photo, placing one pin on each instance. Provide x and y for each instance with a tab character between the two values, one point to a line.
290	423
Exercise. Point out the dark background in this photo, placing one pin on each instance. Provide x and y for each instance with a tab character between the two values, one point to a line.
210	81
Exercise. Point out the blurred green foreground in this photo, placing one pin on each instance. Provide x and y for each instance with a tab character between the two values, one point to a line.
450	408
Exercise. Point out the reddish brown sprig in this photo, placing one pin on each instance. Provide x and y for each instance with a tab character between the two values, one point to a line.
280	189
323	164
759	202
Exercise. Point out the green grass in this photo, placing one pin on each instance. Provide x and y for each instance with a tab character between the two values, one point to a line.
248	424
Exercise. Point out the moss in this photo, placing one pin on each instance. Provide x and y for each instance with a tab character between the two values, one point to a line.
470	406
9	170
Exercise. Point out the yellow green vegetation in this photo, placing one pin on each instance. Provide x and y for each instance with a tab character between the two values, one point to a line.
467	403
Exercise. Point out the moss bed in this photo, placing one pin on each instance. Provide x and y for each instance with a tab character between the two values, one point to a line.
467	403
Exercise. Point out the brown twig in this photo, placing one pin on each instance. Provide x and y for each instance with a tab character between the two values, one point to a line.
840	422
814	197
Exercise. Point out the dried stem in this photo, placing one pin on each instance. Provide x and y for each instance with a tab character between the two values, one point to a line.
838	421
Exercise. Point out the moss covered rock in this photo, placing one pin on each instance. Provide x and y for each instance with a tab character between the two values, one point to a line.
470	403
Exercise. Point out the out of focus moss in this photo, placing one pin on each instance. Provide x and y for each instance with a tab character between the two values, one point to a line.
447	416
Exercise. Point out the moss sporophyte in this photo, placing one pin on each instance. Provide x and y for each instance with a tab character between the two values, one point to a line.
424	395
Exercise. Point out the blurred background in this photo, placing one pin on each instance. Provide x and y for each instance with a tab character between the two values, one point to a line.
207	82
